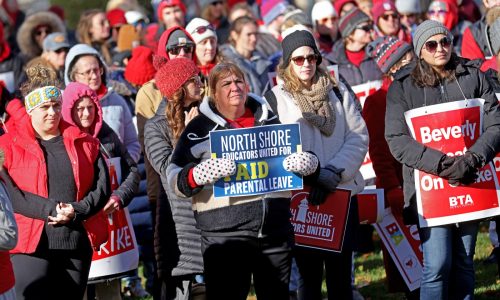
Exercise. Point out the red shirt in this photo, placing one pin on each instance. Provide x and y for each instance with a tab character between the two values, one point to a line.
355	57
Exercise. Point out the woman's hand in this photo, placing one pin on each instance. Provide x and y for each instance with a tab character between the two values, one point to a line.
65	213
113	205
213	169
193	112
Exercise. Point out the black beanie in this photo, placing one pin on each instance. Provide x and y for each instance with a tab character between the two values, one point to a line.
296	40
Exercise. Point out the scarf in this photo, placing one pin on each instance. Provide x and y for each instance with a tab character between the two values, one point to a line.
315	105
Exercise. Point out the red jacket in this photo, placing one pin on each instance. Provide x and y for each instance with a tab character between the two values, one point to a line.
25	162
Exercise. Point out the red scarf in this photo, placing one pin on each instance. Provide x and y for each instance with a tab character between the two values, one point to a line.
205	70
101	92
245	121
355	57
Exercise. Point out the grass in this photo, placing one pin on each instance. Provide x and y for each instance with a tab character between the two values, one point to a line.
370	274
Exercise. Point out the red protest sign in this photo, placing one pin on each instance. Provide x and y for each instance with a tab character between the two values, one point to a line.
367	168
322	226
364	90
452	128
371	206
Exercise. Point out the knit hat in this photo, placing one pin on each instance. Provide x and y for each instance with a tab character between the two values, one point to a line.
298	16
140	67
55	41
408	6
387	51
200	29
495	36
128	38
424	31
338	4
271	9
178	37
168	3
322	10
381	7
172	76
350	20
116	17
40	96
296	40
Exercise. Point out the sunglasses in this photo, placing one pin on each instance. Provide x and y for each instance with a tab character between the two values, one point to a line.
431	46
42	31
203	29
299	60
217	3
61	50
177	49
436	12
392	16
409	16
367	27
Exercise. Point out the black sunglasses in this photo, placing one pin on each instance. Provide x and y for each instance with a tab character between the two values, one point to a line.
431	46
203	29
215	3
367	27
387	16
299	60
175	50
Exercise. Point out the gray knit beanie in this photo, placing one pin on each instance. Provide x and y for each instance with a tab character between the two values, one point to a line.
495	36
351	19
426	30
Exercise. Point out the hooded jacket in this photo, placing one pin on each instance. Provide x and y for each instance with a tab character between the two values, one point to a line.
25	162
404	95
25	35
115	109
257	215
476	44
110	143
178	252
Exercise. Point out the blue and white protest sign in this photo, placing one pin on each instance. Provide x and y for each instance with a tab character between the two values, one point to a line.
259	153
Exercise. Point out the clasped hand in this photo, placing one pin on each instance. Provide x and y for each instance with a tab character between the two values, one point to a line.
65	213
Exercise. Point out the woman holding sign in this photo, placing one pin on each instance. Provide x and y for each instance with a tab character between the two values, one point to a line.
331	126
439	76
58	183
243	235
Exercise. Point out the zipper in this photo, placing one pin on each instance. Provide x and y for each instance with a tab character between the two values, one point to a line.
260	235
443	92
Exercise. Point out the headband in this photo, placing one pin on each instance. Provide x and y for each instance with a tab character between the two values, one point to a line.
40	96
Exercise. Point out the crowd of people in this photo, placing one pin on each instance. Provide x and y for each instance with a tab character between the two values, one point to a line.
147	86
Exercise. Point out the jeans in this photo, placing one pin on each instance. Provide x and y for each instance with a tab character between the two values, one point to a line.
448	261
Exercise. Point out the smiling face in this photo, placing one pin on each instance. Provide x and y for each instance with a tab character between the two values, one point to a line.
388	23
206	50
306	72
46	117
100	27
230	93
83	113
438	58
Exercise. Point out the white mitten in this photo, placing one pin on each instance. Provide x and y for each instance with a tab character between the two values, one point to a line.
303	163
213	169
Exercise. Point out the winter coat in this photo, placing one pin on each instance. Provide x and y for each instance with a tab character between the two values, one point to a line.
256	68
25	162
8	240
256	215
11	63
476	44
115	109
178	251
111	146
404	95
367	70
347	146
26	37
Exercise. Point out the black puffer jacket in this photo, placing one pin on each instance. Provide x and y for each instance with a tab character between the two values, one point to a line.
177	240
404	95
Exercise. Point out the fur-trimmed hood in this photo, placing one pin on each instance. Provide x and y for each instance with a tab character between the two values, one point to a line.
25	38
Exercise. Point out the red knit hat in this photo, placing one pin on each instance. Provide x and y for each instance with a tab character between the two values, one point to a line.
338	4
381	7
140	67
116	17
171	76
168	3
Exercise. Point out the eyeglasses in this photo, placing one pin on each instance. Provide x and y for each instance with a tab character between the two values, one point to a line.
408	16
195	79
88	73
393	16
175	50
431	46
326	20
61	50
436	12
217	3
367	27
203	29
299	60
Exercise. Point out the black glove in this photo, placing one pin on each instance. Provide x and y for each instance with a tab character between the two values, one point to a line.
317	195
463	170
329	178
